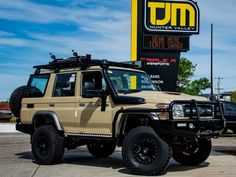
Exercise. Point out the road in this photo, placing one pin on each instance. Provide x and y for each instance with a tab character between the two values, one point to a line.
16	161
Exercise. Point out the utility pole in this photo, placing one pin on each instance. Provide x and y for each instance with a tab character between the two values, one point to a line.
218	88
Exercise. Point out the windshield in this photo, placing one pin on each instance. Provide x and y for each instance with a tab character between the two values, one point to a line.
125	81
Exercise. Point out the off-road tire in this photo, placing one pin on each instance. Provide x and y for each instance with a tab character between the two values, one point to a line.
144	152
15	100
47	145
197	156
101	149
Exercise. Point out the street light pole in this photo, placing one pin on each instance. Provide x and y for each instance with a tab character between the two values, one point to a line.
212	94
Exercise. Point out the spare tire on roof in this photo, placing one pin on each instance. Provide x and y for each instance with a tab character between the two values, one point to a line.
15	100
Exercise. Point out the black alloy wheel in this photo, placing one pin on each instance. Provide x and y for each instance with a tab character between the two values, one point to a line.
144	152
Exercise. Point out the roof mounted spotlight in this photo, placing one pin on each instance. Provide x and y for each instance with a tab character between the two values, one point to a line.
75	54
104	64
52	56
88	57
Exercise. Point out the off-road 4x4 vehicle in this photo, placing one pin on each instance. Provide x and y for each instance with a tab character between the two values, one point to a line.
78	101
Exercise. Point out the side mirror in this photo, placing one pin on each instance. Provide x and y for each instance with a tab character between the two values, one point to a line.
90	92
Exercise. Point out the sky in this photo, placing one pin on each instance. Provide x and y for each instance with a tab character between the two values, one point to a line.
31	29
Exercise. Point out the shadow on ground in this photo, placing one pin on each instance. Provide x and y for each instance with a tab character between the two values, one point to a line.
82	157
25	155
231	150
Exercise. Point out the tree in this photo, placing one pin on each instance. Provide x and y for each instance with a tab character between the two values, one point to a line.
233	96
184	82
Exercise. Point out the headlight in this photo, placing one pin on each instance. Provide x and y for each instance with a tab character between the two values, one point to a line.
178	110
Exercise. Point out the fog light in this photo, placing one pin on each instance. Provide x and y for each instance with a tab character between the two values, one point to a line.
191	126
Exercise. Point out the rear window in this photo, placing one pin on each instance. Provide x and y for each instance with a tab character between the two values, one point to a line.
37	85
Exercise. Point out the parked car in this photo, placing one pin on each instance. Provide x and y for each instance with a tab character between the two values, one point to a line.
230	116
5	112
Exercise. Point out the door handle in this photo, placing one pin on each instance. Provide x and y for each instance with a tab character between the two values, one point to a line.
51	105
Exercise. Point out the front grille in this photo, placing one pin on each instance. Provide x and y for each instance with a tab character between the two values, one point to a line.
205	111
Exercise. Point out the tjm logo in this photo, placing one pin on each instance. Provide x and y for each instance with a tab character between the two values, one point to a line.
171	16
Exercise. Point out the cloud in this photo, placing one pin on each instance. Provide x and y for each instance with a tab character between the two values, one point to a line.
100	30
222	15
42	13
112	46
9	82
17	42
13	65
218	12
6	34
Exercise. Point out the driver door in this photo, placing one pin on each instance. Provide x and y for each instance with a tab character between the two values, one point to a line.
91	120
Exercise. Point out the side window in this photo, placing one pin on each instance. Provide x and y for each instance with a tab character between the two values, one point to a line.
64	85
37	85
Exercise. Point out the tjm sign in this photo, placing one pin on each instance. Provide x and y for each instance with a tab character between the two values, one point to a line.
171	16
160	32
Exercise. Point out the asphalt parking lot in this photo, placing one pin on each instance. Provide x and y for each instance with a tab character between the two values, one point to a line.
16	161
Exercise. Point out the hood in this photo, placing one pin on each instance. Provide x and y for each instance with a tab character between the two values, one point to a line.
164	97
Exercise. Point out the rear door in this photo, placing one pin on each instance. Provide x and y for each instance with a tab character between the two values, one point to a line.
62	100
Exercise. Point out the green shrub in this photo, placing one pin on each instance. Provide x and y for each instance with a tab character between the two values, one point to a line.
13	120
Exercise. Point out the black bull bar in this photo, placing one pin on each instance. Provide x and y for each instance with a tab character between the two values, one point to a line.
193	126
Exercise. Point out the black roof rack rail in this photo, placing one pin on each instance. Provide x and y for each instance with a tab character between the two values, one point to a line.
80	61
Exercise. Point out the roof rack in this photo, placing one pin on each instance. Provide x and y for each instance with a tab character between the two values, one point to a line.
80	61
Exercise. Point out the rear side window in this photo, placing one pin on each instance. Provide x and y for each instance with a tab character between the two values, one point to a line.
37	85
64	85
